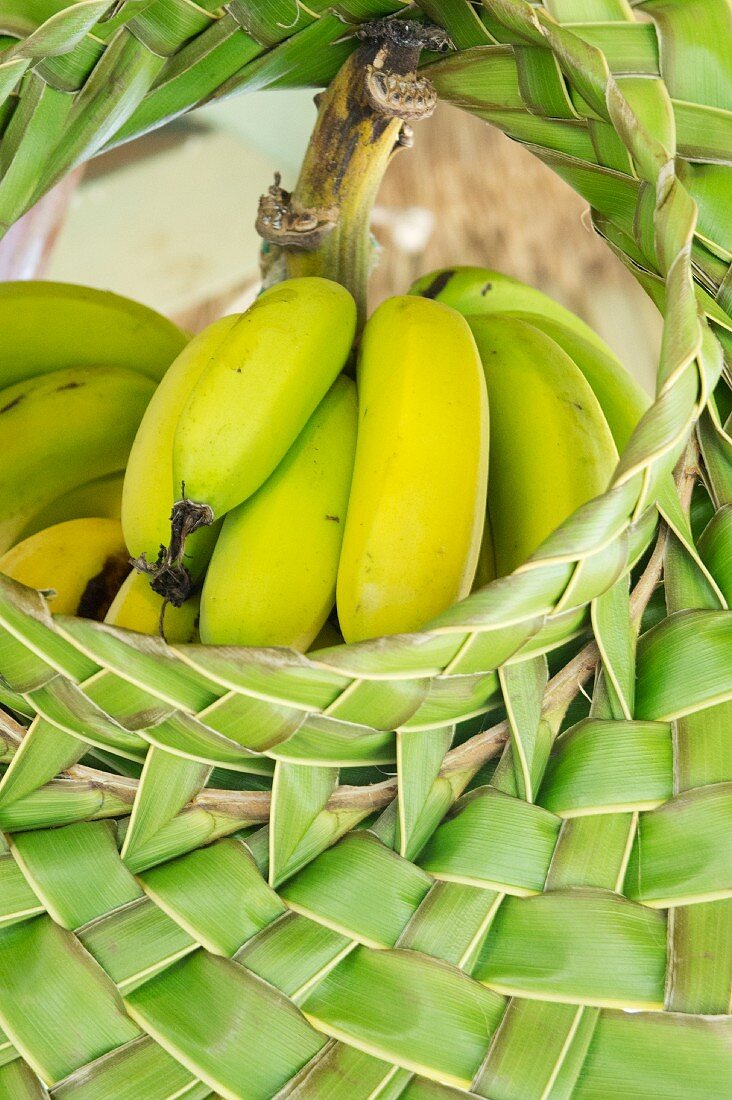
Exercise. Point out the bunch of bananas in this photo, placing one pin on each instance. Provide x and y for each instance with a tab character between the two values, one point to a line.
306	507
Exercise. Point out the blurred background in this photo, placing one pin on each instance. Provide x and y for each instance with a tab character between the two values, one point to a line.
169	219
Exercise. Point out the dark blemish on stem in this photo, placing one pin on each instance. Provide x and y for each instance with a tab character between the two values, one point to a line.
484	290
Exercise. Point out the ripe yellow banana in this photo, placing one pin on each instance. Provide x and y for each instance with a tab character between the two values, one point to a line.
417	504
59	428
272	576
55	326
259	388
149	492
478	291
137	607
101	497
258	384
81	563
551	448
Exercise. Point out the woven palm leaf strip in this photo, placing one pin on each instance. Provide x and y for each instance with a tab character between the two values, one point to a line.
494	950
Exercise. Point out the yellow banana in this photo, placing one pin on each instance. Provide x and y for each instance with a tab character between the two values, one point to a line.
478	291
57	429
259	388
551	449
258	383
149	491
101	497
137	607
81	563
272	576
417	504
55	326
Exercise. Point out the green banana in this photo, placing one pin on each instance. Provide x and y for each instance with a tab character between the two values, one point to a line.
81	563
259	382
56	326
551	449
465	288
417	505
479	290
149	491
101	497
272	576
620	397
58	427
137	607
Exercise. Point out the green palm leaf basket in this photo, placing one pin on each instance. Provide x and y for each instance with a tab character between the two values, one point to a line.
398	868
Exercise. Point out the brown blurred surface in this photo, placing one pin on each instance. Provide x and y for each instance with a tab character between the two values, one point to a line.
496	205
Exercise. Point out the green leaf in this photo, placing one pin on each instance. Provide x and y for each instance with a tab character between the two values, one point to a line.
364	999
680	855
494	841
360	888
698	640
580	946
47	980
299	795
167	783
249	1036
600	766
523	687
419	759
217	893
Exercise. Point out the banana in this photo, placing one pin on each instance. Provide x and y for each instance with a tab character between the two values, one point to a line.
58	428
101	497
417	505
272	576
620	397
81	563
477	291
55	326
137	607
149	492
260	387
551	448
257	385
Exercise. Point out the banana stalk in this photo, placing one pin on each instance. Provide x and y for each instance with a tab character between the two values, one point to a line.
364	116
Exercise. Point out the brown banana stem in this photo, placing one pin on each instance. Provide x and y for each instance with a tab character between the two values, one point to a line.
323	226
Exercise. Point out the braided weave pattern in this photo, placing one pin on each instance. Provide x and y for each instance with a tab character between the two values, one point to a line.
159	940
520	927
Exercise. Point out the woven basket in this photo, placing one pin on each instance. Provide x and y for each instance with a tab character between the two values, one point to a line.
259	880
